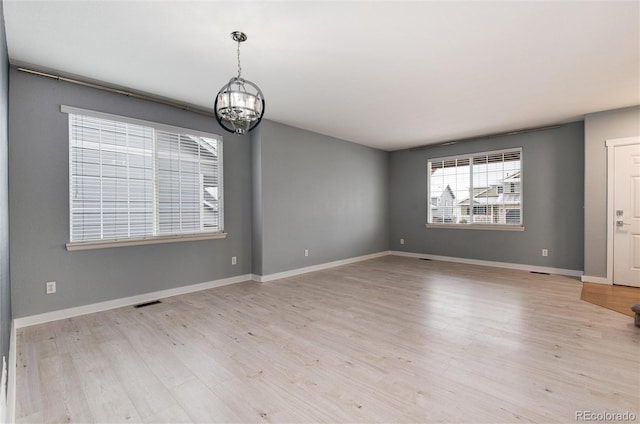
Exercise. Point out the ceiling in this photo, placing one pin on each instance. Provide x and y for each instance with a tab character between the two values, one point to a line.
390	75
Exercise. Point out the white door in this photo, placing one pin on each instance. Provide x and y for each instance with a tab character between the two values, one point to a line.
626	215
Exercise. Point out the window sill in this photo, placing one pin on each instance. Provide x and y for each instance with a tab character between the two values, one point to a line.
493	227
103	244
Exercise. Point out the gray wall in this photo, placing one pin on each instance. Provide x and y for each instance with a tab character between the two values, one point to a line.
5	285
317	193
286	190
256	200
598	128
39	209
552	169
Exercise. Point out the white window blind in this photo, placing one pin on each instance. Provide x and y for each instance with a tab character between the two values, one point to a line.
480	188
132	179
188	184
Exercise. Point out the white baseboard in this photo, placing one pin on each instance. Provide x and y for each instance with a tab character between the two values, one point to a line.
598	280
10	416
508	265
146	297
125	301
319	267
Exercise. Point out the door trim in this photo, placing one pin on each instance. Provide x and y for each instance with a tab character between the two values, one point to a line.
611	144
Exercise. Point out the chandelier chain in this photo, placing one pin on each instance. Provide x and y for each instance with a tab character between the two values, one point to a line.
239	67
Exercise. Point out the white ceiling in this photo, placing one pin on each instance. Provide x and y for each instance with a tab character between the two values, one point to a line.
389	75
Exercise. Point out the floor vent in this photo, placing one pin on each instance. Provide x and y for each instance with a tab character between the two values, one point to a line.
142	305
425	259
538	272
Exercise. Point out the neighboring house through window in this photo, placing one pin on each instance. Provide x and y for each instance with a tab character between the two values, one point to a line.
442	210
480	188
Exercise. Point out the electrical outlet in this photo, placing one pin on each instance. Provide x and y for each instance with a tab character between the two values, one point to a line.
306	252
401	241
234	260
51	287
545	252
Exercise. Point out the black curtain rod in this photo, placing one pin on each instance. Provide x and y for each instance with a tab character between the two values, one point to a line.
486	136
118	91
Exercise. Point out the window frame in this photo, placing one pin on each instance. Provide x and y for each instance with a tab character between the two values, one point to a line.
156	238
475	226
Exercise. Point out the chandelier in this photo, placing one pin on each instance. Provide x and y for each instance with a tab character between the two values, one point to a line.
239	105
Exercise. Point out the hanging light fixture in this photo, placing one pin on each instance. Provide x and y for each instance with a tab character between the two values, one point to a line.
239	105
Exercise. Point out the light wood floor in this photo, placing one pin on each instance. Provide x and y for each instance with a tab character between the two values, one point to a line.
387	340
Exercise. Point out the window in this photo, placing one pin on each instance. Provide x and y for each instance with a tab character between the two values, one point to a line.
513	216
482	189
131	180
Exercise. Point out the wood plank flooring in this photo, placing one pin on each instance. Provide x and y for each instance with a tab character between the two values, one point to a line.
616	298
391	339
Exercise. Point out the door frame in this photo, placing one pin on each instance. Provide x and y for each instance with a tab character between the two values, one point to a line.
611	145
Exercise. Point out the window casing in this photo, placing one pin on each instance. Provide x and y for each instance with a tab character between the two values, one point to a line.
131	179
479	190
